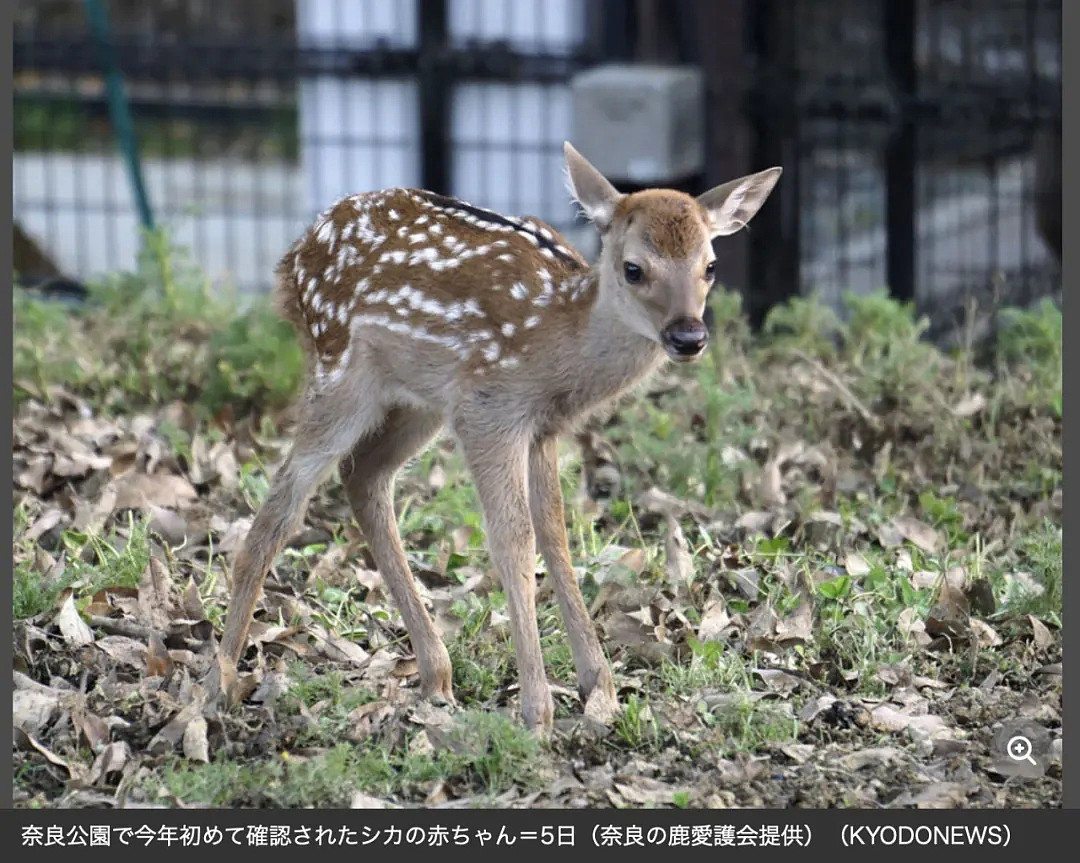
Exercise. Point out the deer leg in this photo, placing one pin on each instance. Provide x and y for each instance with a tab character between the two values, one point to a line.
368	473
499	465
546	503
319	442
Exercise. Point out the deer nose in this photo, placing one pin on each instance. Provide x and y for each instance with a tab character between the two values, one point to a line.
685	337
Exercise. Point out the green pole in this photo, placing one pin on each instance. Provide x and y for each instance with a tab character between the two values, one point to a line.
119	110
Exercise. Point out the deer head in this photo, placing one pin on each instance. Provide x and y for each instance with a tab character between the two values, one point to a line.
656	262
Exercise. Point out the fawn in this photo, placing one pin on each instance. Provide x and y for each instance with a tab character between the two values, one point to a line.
419	312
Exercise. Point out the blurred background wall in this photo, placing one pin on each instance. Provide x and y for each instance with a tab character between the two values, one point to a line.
920	138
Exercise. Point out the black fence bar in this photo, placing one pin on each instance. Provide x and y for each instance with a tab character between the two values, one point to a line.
435	96
774	235
900	153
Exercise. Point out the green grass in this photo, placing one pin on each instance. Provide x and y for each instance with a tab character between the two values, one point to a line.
117	559
157	335
485	752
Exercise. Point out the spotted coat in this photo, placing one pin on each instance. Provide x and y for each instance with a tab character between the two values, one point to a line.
436	269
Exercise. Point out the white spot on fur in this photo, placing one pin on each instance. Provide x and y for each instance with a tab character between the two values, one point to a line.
429	254
532	321
519	291
393	215
325	232
507	257
473	308
509	362
491	352
450	342
508	329
435	228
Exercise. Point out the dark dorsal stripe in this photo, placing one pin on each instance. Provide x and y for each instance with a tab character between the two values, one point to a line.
543	242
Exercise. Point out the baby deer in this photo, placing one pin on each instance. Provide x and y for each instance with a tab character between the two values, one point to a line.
420	312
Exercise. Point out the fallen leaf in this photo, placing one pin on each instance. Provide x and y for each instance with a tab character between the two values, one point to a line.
329	569
154	600
856	564
643	791
798	752
360	800
657	502
1039	632
938	795
173	732
889	536
112	759
754	523
158	661
72	627
44	523
679	562
421	744
142	491
714	620
983	633
918	533
192	602
888	718
336	648
878	756
168	524
778	680
969	405
948	618
32	710
91	728
195	745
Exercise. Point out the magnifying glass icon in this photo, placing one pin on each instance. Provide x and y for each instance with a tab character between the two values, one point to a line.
1019	749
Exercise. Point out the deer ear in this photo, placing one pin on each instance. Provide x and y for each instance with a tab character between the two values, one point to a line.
590	188
732	205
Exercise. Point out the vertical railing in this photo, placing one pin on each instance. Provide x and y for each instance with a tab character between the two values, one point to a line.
435	97
119	110
774	236
900	152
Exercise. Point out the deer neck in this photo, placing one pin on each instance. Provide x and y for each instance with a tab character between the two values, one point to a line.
612	356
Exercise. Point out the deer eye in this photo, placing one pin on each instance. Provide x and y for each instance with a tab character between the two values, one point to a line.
710	270
632	272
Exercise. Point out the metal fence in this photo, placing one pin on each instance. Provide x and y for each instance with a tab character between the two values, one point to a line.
906	128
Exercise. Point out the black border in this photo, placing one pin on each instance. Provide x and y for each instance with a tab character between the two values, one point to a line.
1070	17
6	261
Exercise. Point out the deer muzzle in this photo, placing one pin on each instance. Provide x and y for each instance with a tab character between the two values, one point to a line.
684	338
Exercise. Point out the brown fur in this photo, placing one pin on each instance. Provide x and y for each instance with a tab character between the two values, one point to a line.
675	224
